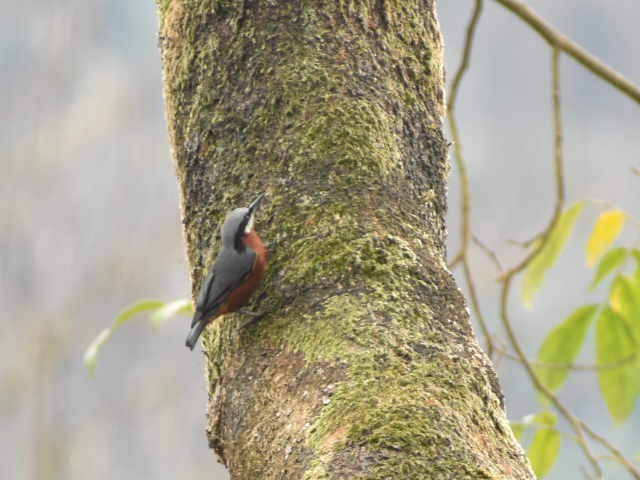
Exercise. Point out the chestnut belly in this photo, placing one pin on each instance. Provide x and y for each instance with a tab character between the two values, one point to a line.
241	295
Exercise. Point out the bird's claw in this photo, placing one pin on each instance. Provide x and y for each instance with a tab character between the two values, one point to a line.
253	317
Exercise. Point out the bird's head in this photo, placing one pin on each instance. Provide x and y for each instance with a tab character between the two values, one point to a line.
239	223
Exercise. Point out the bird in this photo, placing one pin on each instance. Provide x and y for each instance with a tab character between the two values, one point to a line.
236	272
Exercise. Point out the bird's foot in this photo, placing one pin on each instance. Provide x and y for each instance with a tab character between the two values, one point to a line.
253	317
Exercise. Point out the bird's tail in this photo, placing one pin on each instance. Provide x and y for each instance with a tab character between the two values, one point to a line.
195	332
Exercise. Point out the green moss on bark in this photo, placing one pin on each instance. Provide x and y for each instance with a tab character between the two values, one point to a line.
163	6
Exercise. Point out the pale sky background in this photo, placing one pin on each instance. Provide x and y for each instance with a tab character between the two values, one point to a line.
89	223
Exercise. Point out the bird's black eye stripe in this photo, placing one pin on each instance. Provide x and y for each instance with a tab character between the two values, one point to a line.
238	243
243	224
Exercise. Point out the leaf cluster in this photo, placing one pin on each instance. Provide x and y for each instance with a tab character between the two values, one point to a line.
617	327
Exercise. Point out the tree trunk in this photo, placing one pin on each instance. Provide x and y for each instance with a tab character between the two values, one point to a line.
364	364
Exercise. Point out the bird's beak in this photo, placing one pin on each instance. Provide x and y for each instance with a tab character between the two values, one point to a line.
255	204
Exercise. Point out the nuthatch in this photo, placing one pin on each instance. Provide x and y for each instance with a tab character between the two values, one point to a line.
235	274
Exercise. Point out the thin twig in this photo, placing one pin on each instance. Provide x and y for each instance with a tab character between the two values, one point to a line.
464	177
558	163
466	54
617	455
525	243
576	367
586	474
455	133
489	252
561	42
455	261
558	166
475	306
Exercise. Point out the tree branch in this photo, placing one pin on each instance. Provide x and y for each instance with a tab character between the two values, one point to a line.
558	40
576	367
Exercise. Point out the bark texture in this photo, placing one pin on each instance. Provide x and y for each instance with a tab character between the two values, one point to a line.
364	364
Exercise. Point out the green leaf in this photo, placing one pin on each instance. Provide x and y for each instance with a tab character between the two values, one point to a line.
543	451
604	233
636	275
615	344
545	419
613	260
563	344
132	310
550	251
171	309
91	353
625	300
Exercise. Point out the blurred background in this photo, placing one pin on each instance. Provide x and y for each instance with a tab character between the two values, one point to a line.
89	222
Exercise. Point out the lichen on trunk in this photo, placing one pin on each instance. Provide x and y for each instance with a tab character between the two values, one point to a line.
364	364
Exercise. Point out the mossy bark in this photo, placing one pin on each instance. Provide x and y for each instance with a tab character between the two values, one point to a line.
364	364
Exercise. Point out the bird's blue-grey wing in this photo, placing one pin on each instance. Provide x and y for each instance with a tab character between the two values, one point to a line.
229	270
